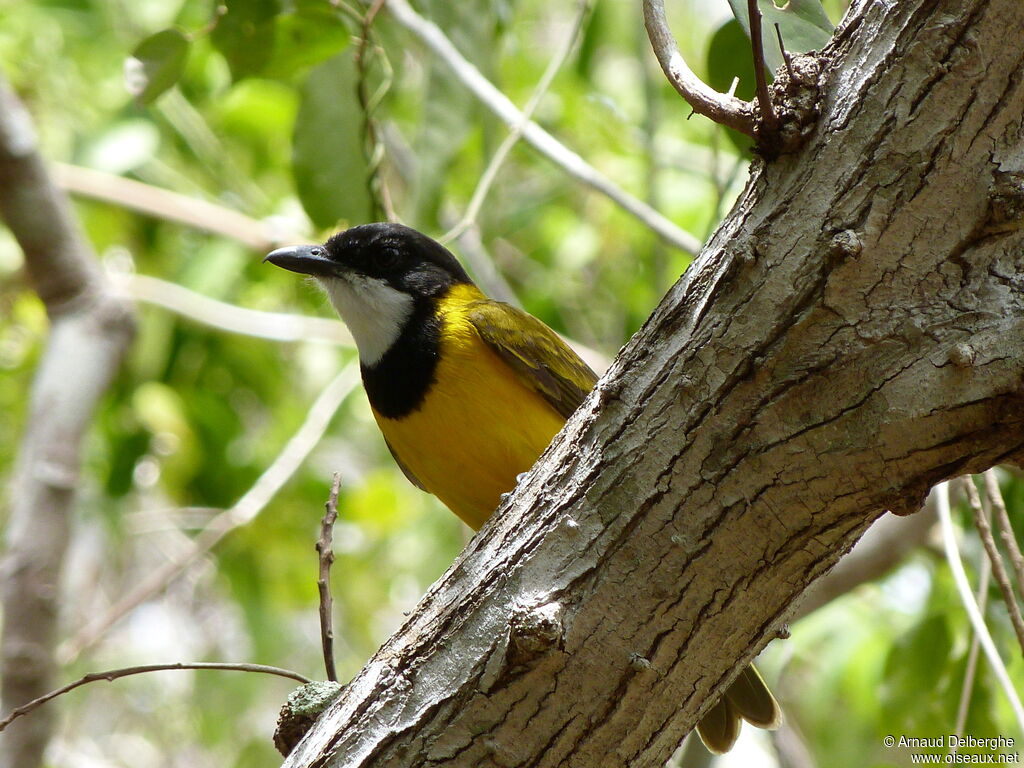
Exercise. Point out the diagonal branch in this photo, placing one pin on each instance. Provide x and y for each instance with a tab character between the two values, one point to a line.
1005	529
275	326
984	526
260	235
780	398
963	587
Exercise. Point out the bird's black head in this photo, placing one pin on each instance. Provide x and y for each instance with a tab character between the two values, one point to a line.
383	279
394	254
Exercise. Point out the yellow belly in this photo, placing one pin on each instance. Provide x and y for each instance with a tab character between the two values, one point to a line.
478	427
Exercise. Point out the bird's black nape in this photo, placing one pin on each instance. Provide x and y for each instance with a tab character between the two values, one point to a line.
407	259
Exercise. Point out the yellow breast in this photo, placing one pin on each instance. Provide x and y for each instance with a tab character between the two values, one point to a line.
478	427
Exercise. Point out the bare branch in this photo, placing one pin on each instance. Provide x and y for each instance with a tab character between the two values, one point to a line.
115	674
491	171
260	235
325	551
276	326
956	566
984	527
722	108
1005	529
244	511
90	329
496	101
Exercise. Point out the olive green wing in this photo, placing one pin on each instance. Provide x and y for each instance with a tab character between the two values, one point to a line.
541	360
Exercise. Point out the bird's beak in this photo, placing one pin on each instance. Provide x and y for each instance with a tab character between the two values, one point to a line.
305	259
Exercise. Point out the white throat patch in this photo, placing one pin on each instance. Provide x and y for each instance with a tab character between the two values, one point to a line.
374	312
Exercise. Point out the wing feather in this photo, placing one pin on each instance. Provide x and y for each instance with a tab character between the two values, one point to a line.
535	353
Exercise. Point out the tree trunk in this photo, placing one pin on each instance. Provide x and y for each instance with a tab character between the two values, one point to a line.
853	334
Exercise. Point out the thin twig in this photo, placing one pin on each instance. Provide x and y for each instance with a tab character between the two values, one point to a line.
956	566
985	571
984	527
325	551
275	326
782	48
1005	529
491	171
760	78
722	108
496	101
115	674
165	205
244	511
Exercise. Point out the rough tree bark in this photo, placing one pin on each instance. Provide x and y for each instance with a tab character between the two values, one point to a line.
853	334
90	329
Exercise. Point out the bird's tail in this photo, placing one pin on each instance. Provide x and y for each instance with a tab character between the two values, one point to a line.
748	698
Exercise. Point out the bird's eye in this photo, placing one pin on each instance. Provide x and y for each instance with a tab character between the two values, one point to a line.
387	258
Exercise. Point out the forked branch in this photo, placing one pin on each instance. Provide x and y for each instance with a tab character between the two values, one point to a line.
723	108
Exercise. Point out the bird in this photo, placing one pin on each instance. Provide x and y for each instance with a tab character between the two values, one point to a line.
466	390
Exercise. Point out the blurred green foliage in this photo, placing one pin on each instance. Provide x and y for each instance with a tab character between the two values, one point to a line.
255	107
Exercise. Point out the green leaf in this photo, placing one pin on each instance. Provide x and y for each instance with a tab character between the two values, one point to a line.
328	161
803	24
245	35
592	37
729	58
918	661
156	64
304	38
